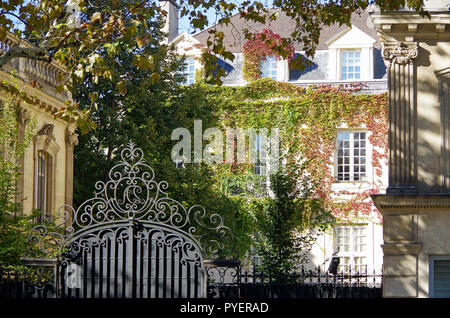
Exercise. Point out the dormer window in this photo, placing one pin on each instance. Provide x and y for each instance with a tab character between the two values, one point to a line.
269	68
351	64
351	56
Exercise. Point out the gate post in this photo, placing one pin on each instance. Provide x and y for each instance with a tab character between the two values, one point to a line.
41	264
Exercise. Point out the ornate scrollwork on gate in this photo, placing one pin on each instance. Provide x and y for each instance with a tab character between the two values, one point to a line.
132	194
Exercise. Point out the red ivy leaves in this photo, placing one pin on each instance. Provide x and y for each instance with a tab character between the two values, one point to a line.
265	43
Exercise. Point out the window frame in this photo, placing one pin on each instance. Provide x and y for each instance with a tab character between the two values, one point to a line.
45	142
190	78
431	261
352	254
43	181
351	163
341	64
272	66
261	165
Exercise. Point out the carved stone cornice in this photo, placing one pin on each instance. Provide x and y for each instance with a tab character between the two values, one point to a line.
400	53
399	249
415	203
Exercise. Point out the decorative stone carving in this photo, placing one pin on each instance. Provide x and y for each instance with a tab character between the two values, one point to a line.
22	117
401	54
46	130
45	140
71	136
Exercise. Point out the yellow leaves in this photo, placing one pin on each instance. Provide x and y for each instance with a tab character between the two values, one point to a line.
155	77
144	62
142	40
121	87
97	16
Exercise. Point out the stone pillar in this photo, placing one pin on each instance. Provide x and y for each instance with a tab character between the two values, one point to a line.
443	77
71	141
416	206
399	58
22	119
401	247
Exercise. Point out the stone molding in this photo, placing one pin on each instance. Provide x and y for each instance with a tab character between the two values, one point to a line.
412	202
401	248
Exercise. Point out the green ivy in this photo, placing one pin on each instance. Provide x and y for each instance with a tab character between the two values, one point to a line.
308	119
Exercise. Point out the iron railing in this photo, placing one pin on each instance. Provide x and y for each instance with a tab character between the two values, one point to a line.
36	280
237	282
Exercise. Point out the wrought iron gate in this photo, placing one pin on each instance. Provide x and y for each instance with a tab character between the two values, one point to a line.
131	239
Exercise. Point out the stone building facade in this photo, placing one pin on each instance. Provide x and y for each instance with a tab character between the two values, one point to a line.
46	180
416	206
362	42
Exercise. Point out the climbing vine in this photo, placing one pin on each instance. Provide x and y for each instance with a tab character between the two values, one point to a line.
308	119
265	43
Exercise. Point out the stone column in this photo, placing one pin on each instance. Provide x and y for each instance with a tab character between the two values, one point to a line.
399	58
22	119
71	141
443	77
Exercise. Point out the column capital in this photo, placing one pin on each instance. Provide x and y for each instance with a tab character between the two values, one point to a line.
400	53
71	136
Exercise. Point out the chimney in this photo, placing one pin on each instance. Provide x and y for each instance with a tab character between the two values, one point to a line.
171	24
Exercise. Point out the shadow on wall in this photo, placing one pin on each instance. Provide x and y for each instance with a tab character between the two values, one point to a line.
379	71
428	150
295	72
228	68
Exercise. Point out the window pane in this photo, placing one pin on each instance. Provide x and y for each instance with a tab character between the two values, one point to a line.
350	64
43	190
189	71
441	278
269	67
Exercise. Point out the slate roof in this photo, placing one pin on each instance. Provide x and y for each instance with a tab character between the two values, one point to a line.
284	26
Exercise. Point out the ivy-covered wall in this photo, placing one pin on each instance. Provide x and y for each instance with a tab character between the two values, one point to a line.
308	121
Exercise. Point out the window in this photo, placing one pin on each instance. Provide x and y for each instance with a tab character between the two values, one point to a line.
189	70
440	277
351	156
43	182
351	64
45	157
260	167
269	67
351	247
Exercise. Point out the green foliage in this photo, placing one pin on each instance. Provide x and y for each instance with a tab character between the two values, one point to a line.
13	224
81	34
147	114
289	222
307	119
